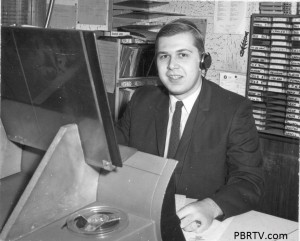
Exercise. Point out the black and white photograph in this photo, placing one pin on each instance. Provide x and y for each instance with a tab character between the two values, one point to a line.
149	120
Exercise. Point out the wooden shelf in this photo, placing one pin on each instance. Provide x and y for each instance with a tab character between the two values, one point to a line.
137	5
131	12
145	15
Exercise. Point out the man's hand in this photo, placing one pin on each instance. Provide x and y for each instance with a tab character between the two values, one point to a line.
198	216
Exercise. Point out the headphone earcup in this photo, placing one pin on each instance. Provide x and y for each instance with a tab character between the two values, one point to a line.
205	61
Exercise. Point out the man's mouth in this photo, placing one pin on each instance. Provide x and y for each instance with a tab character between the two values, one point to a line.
174	77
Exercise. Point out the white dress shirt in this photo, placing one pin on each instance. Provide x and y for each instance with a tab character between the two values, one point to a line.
188	104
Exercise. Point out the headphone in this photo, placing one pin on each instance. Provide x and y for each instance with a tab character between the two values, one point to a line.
205	61
205	58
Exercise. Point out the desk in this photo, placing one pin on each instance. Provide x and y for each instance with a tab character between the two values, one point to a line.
248	226
252	225
258	226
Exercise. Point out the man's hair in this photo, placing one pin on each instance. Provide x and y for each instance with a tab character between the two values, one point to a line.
182	26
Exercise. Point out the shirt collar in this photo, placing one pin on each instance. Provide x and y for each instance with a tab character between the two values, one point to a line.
188	102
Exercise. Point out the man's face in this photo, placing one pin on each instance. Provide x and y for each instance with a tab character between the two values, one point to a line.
178	64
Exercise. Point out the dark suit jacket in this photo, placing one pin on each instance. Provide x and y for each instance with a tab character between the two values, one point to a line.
218	153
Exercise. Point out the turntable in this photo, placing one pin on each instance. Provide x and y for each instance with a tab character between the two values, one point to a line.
86	187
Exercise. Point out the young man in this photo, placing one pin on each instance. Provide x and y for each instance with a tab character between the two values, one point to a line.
218	152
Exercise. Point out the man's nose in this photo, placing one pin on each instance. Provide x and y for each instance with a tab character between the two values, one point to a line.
172	63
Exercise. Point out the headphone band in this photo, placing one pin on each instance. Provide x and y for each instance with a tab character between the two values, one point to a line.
185	24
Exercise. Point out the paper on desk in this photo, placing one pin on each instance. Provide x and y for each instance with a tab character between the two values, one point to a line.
213	233
264	224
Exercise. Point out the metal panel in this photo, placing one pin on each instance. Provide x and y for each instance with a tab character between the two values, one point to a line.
51	78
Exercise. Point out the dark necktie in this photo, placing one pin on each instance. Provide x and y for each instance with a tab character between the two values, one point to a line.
175	130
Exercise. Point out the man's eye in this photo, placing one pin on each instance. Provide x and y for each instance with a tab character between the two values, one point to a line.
163	56
183	55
